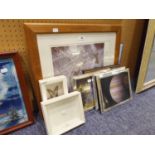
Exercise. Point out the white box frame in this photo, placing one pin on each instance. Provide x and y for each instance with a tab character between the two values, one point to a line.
55	115
43	83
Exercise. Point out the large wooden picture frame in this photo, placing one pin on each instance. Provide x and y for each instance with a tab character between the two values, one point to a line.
33	29
15	105
142	84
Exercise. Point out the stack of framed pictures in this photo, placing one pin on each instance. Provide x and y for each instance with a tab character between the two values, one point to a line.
86	84
114	88
69	48
62	111
97	88
103	88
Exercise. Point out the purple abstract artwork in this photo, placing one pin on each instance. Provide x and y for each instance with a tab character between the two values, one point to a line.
71	60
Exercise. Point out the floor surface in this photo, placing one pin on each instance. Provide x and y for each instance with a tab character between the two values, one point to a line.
136	117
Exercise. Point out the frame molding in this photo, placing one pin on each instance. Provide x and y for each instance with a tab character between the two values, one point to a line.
141	84
32	29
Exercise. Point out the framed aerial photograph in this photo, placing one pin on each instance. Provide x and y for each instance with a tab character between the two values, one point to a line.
63	113
71	60
67	49
84	84
114	88
15	105
53	87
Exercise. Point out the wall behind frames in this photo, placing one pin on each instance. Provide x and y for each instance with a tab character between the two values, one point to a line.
12	35
12	38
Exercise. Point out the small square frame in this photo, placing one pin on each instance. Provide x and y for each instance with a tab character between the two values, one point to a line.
43	84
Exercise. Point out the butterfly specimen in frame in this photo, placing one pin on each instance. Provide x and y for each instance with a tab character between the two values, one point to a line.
53	92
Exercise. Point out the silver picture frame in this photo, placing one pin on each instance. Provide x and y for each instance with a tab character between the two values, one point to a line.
115	92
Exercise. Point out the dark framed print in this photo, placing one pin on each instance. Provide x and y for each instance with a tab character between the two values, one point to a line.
84	84
65	45
15	105
114	88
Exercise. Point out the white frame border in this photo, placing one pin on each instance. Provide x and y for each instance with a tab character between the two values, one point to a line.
55	101
46	41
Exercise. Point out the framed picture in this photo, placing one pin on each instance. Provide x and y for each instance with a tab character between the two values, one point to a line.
64	49
114	88
63	113
84	84
53	87
15	105
146	77
98	71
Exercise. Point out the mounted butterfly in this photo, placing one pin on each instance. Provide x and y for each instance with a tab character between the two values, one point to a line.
53	87
54	92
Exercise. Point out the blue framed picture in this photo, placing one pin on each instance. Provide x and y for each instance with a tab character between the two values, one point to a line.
15	106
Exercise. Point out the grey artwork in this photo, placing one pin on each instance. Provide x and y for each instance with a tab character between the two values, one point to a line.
71	60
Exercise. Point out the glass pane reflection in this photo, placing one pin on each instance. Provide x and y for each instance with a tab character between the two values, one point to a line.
151	65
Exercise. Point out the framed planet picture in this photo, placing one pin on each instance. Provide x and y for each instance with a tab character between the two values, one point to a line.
114	88
15	106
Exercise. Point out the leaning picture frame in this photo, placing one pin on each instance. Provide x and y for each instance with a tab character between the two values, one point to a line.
40	44
15	104
63	113
146	77
114	88
84	84
53	87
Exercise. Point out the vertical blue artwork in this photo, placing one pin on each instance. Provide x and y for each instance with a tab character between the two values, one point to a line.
12	107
